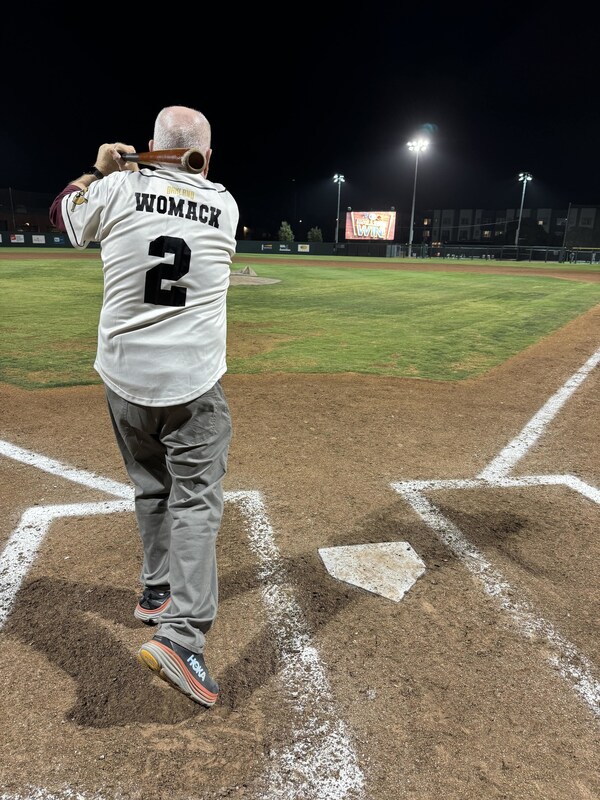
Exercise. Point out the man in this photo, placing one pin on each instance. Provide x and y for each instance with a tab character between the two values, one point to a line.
167	240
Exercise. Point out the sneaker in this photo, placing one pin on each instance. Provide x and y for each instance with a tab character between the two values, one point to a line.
181	668
152	604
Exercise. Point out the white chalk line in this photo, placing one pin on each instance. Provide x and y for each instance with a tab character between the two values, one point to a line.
320	749
35	793
516	449
24	542
83	477
574	667
320	758
571	481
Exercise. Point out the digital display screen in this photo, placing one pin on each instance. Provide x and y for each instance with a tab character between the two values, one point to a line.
371	225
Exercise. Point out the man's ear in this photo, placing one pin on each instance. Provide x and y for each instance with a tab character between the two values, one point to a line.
207	156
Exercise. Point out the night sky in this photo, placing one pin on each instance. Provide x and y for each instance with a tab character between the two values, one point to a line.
295	97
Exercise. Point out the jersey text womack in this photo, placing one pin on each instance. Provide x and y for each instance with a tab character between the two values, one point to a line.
187	209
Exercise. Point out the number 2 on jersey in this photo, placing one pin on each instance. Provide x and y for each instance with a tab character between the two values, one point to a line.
154	293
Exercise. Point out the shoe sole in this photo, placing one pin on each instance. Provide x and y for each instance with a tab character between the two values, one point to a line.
151	616
169	666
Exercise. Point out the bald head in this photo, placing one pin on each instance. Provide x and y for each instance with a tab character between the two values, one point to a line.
179	126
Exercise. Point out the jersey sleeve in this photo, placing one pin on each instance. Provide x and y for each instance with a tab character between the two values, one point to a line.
82	214
234	216
56	208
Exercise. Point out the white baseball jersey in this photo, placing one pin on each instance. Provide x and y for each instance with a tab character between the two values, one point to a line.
167	241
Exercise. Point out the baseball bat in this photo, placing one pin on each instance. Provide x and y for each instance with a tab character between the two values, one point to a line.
191	160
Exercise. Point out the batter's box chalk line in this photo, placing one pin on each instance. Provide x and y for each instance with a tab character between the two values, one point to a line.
319	762
573	666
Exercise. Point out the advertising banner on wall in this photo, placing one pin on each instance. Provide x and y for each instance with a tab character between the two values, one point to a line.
38	238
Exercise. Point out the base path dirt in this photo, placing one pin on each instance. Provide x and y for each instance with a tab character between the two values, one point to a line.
482	682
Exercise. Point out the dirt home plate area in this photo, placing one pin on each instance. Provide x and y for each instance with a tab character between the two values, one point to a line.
475	675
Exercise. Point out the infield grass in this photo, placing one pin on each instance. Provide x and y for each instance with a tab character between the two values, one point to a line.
435	325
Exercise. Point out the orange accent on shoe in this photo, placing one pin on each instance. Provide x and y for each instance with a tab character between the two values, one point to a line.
153	612
198	688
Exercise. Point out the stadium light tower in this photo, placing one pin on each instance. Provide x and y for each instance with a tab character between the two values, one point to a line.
339	179
524	177
416	146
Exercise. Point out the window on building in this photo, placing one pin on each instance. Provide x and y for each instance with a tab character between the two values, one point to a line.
426	221
487	233
445	235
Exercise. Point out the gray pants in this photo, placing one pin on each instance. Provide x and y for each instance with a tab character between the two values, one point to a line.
176	457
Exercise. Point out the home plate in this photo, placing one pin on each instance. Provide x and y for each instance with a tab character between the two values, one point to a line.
388	569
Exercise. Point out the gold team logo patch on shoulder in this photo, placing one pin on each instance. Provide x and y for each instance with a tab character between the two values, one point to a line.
79	199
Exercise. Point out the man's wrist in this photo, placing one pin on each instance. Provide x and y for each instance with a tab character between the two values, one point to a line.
96	173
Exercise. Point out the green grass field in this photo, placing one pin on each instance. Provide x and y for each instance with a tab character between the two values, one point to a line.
435	325
264	258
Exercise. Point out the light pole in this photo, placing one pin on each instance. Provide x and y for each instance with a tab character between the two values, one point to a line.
417	146
566	228
524	177
295	191
339	179
12	208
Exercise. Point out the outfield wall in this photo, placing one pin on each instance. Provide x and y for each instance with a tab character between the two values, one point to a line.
353	249
20	239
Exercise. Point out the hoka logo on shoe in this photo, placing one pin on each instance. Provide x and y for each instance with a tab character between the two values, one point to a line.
195	665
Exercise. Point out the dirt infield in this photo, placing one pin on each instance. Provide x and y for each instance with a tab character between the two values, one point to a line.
482	682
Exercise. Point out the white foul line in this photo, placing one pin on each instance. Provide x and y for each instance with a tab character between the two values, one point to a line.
320	758
515	450
574	667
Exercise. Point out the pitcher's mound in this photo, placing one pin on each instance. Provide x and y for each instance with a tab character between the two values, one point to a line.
248	276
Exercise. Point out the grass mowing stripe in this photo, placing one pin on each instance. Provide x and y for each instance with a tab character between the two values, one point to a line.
49	322
435	325
442	326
